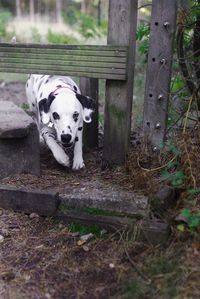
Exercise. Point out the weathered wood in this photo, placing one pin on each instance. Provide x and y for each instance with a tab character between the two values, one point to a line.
155	232
74	60
35	70
116	49
157	89
68	58
19	142
119	95
151	231
40	202
42	60
108	222
90	87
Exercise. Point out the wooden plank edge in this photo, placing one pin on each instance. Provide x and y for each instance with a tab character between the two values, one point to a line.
64	73
153	232
20	199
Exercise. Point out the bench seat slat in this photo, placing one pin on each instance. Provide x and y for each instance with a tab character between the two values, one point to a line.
64	46
102	62
65	51
64	73
66	63
72	58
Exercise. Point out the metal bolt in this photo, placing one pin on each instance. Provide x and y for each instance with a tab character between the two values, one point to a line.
155	148
166	24
158	125
163	61
160	97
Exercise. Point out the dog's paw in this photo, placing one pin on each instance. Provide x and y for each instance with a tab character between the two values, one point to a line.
78	164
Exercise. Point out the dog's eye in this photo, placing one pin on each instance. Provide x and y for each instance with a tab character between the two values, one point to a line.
56	115
75	116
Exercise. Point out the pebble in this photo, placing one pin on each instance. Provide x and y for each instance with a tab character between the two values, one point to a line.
1	239
33	215
87	237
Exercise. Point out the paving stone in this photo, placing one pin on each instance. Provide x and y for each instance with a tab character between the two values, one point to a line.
19	142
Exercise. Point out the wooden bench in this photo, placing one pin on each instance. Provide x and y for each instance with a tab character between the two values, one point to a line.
101	62
113	62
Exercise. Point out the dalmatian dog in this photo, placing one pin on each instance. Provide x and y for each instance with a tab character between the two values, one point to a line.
60	110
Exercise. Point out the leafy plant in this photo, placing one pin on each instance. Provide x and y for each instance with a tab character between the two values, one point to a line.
36	36
71	16
83	230
60	38
134	289
192	218
87	25
5	16
142	36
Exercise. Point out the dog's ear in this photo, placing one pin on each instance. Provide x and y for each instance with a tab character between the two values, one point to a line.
44	112
44	106
88	107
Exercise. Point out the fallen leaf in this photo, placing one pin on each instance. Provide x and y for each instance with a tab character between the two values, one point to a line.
81	242
86	248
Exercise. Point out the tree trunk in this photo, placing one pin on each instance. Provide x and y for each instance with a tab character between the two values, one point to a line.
196	47
18	9
32	10
99	12
59	11
85	5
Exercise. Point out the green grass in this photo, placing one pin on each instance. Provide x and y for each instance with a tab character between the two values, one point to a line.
84	230
133	289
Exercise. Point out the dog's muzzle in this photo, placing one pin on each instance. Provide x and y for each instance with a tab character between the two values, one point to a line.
66	140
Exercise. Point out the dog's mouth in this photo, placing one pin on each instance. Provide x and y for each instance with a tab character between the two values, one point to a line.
67	145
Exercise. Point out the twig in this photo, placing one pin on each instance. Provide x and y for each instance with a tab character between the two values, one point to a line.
143	276
157	168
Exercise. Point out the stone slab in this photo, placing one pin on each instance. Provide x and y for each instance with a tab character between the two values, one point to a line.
19	142
40	202
105	197
14	122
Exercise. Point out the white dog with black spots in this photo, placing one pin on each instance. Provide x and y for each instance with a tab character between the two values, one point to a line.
60	110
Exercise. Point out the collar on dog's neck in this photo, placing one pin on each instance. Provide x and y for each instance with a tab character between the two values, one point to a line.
59	87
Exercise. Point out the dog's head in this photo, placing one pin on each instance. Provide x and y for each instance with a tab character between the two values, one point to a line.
67	111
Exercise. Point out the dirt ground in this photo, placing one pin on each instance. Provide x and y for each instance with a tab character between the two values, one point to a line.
41	258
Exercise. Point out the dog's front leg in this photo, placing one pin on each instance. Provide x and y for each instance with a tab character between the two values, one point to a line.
50	139
78	162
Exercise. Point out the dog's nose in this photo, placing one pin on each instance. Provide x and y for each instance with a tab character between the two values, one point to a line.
65	138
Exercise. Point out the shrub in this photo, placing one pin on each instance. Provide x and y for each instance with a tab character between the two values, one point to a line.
5	16
60	38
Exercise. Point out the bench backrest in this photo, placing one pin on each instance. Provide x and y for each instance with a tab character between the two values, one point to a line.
102	62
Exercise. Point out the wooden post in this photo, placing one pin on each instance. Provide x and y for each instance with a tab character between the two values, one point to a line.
119	95
90	87
157	89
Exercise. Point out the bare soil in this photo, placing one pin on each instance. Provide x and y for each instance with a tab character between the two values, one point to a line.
44	259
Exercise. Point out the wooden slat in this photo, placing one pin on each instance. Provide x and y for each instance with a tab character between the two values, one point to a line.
106	62
63	62
63	46
67	58
97	51
63	73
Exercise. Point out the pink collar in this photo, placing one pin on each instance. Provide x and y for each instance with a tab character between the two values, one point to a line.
59	87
